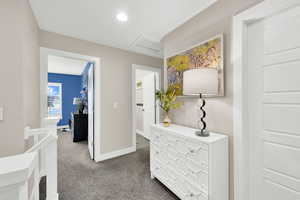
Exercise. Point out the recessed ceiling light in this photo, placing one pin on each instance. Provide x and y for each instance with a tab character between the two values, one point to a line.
122	17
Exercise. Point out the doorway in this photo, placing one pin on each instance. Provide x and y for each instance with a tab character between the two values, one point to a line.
76	78
145	112
266	102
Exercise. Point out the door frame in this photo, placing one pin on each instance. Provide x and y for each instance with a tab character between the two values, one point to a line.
93	105
44	53
157	70
240	87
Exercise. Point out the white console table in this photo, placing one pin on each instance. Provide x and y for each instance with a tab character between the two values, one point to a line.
193	167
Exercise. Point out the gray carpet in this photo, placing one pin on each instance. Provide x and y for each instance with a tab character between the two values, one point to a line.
122	178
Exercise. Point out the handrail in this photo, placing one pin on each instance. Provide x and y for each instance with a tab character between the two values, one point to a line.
42	143
33	132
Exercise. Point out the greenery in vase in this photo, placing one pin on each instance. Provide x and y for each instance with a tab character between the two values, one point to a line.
167	99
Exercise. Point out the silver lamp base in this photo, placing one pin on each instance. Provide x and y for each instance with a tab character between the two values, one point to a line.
202	133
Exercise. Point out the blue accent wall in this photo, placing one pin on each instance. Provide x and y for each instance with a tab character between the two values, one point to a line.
71	87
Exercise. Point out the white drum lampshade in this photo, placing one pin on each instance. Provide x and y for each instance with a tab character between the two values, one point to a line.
76	101
200	81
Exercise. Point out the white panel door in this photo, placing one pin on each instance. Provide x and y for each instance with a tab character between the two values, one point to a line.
91	111
274	106
149	103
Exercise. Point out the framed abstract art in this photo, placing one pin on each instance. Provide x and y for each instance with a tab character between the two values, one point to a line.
208	54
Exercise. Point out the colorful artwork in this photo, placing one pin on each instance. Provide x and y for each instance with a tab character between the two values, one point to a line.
208	54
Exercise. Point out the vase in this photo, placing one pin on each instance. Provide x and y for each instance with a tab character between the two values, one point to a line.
167	121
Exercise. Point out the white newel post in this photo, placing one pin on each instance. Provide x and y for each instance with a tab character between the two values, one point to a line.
50	156
23	191
51	170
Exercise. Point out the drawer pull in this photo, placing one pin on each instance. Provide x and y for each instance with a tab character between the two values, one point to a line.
191	195
192	151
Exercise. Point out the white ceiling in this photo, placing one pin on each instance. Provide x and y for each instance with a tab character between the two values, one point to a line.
62	65
95	20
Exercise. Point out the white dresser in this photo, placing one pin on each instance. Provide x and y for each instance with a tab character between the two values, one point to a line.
193	167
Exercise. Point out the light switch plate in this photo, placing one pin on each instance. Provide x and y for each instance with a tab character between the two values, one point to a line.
1	113
115	105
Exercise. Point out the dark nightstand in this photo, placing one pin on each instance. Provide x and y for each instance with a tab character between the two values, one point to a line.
79	127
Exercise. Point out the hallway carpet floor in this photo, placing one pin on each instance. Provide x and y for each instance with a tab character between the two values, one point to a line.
122	178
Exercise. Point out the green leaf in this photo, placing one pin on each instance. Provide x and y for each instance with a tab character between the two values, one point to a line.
167	100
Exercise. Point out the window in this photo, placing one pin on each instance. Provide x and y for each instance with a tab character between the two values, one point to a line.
54	100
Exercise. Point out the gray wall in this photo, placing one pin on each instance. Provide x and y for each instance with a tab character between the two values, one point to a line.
31	66
18	81
213	21
115	85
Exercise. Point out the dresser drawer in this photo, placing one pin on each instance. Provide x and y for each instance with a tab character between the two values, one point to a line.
194	166
179	187
159	153
188	191
158	137
172	139
196	145
181	165
193	193
159	170
199	156
199	178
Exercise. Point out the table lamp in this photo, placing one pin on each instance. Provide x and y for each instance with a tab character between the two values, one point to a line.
201	82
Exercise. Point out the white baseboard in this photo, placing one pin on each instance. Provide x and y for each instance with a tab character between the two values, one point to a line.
115	154
141	133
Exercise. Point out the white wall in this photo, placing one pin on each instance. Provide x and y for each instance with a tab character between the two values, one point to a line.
19	72
30	63
116	68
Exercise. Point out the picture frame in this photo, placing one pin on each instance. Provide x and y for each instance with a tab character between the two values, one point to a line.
208	53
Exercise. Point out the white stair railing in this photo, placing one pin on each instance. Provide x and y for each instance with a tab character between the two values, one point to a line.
20	175
45	145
